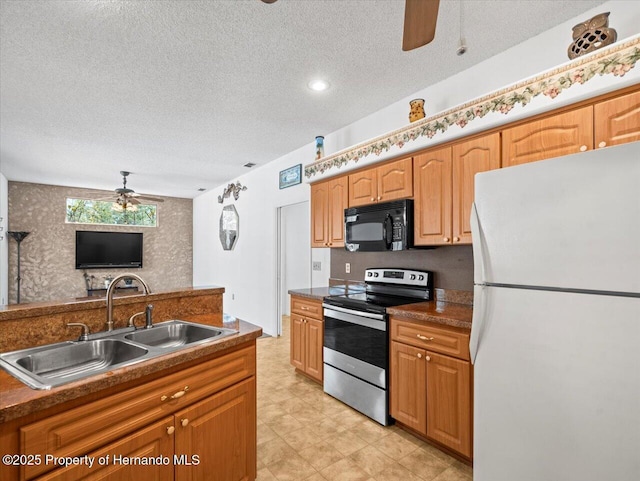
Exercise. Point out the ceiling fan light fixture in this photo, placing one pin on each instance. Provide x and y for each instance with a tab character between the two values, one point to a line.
318	85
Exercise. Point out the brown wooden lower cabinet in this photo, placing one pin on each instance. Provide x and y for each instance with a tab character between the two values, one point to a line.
431	392
194	424
307	333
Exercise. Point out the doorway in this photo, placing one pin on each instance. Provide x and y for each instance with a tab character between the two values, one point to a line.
294	255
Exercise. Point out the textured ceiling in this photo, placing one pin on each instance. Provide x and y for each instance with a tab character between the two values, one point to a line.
182	93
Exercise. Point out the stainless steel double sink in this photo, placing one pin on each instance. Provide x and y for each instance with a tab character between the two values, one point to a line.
48	366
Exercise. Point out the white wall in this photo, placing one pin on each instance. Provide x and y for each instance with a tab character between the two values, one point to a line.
295	251
249	272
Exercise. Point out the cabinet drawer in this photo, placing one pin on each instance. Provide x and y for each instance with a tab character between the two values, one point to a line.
427	336
80	430
306	307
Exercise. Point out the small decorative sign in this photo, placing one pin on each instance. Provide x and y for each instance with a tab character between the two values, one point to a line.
291	176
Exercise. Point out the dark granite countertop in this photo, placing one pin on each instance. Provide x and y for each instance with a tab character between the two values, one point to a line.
445	313
17	399
319	293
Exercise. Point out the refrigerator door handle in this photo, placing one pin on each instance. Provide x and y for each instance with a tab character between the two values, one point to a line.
479	271
479	301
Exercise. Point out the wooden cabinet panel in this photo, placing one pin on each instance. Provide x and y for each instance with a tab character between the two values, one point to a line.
432	177
221	431
329	199
388	182
297	342
319	214
449	402
152	441
338	201
470	157
395	180
307	337
617	121
80	430
363	187
562	134
444	340
306	307
314	341
408	386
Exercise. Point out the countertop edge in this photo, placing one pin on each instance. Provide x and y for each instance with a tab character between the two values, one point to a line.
38	400
426	317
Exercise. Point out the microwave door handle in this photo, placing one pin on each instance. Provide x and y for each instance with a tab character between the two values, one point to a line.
387	231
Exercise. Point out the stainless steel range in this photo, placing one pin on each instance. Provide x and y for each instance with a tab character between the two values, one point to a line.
356	337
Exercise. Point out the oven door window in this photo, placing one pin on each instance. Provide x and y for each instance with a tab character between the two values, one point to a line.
364	343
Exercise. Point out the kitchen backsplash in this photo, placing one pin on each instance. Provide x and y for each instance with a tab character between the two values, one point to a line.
48	254
452	265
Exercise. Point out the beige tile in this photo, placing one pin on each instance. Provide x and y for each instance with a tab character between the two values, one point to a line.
284	424
395	472
291	468
370	430
441	455
280	395
395	446
321	455
345	470
316	477
326	428
347	442
371	460
270	412
301	438
453	474
274	450
410	437
265	475
265	433
308	415
423	464
464	468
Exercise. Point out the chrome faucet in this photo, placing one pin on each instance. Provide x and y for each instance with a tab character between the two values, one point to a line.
111	289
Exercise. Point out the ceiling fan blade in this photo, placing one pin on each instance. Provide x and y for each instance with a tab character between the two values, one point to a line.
146	197
420	17
131	200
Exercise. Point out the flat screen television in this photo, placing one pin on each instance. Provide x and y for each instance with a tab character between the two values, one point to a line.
99	250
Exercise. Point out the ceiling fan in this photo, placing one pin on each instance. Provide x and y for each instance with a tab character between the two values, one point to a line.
420	17
128	198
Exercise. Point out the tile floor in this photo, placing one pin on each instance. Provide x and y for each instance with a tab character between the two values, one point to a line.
304	434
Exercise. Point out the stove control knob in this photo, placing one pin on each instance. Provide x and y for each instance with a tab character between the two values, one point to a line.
412	277
421	277
369	274
375	274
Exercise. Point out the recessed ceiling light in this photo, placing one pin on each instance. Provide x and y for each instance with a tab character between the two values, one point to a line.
201	189
249	165
318	85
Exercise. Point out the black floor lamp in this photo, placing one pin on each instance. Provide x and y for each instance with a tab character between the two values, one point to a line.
19	237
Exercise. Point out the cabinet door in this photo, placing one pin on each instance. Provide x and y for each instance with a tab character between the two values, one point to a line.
150	442
313	355
561	134
469	158
297	341
395	180
319	214
432	174
617	121
363	187
221	431
338	202
408	386
449	402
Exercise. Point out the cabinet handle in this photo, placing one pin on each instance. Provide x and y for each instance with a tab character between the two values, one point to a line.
170	430
428	358
446	239
177	395
602	144
583	148
304	308
456	239
379	197
184	422
424	338
419	356
372	199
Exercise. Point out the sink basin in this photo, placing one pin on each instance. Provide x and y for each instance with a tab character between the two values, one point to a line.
48	366
175	334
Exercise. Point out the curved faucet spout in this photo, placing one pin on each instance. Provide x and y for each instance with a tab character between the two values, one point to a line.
111	289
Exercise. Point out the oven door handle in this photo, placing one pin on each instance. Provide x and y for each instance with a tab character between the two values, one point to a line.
354	312
355	319
387	231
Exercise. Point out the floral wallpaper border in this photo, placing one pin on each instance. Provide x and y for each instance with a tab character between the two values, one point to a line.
616	60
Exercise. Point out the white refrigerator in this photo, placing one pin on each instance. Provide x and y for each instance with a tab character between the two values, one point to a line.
555	338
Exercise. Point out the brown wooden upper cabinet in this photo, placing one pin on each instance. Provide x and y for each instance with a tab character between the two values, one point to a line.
388	182
328	201
561	134
470	157
432	177
617	121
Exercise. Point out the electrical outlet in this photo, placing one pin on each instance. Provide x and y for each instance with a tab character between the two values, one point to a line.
317	266
347	268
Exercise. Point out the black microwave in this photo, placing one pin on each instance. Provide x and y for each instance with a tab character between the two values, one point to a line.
379	227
